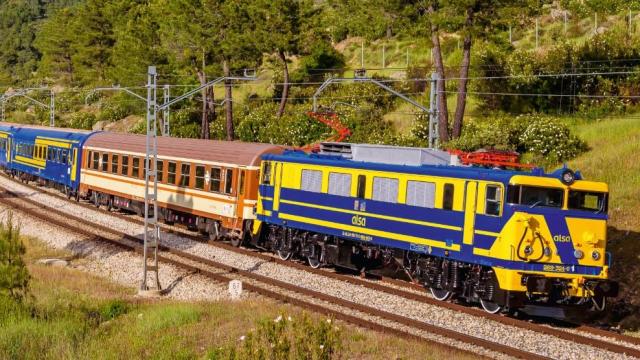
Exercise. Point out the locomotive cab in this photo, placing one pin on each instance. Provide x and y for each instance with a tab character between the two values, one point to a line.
558	231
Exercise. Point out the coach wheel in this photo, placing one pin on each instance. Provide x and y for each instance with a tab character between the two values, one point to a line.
67	192
314	262
490	307
96	200
441	294
236	241
110	204
76	196
214	232
284	254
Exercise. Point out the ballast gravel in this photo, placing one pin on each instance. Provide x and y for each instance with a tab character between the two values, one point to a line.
526	340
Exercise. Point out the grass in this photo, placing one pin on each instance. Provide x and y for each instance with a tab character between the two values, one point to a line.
75	315
615	145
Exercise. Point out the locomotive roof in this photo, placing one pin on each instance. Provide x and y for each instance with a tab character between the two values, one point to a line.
467	172
226	152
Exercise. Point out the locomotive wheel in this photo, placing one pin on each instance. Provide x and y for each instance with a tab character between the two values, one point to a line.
441	294
313	262
284	255
490	307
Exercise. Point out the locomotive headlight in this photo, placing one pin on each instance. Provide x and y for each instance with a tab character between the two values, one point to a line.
595	255
578	254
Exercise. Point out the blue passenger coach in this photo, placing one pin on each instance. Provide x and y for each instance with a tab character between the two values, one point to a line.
47	155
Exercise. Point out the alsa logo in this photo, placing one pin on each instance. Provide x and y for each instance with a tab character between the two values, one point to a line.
562	238
358	220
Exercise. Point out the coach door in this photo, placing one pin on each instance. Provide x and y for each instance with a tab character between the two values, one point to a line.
471	196
241	193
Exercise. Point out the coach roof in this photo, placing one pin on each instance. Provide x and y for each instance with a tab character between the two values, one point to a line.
226	152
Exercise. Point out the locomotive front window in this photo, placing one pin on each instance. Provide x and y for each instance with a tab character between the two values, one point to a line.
535	196
588	201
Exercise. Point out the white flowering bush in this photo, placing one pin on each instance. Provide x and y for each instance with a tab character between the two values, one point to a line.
285	337
551	140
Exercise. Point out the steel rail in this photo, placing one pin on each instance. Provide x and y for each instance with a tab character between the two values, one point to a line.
565	335
43	212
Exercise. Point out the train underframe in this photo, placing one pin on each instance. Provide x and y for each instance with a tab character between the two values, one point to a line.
444	278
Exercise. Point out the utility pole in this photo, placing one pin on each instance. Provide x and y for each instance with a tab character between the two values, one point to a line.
383	59
433	113
165	112
510	36
595	28
362	55
629	26
151	226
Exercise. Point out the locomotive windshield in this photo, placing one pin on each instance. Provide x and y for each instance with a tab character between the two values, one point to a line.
588	201
535	196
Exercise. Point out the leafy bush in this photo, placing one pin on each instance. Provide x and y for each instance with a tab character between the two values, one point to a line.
285	338
545	138
14	276
82	120
551	140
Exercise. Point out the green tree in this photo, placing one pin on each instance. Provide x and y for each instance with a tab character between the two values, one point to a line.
18	23
55	42
278	28
14	276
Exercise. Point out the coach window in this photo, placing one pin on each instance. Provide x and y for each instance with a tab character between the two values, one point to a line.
362	186
421	193
64	156
493	202
447	201
228	181
311	180
96	159
241	183
214	183
266	173
105	162
171	173
114	164
185	172
135	167
385	189
160	170
125	165
199	177
339	184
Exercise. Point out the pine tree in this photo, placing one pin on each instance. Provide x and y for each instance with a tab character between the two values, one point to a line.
14	276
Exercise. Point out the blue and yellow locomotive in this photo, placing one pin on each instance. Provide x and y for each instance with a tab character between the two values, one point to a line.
503	238
47	155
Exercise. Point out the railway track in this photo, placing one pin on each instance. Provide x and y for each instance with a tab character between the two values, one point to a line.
350	312
582	335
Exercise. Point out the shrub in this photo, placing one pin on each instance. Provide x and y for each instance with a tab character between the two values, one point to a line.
545	138
285	338
14	276
551	141
82	120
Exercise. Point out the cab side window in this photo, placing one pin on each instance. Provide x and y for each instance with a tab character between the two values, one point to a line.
447	201
266	173
493	202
